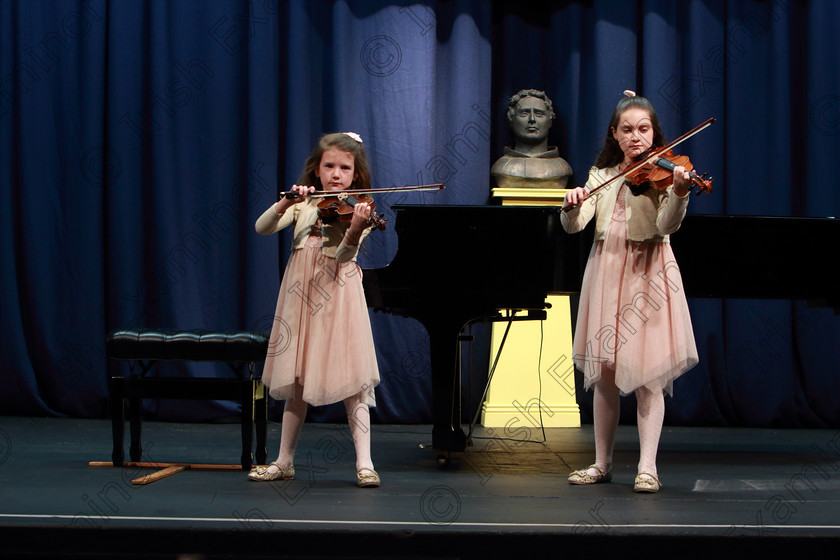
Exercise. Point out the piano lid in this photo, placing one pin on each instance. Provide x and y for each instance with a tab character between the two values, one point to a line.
758	257
502	256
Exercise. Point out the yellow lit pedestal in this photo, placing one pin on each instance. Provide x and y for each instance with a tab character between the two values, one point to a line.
534	380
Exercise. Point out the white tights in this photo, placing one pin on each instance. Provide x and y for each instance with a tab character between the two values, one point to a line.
650	413
294	415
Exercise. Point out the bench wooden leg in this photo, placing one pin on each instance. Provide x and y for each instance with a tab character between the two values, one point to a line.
247	400
117	392
261	420
135	417
250	393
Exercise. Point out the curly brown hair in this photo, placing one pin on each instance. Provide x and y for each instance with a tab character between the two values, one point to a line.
522	93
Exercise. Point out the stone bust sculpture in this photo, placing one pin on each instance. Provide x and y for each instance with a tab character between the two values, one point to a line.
531	162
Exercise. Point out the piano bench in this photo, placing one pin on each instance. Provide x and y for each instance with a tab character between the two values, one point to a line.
145	347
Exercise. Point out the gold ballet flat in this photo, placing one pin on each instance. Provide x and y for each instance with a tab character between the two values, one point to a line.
582	476
264	473
646	482
367	478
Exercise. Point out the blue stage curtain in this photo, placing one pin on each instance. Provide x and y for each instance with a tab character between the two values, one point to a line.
139	142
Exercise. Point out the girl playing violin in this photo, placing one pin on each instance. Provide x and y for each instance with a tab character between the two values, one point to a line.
321	349
633	332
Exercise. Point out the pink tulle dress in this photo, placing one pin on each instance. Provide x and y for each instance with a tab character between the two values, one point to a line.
321	334
633	314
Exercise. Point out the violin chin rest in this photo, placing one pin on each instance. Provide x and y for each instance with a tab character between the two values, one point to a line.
638	189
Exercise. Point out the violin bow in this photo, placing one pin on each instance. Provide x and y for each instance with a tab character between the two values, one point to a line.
649	158
325	194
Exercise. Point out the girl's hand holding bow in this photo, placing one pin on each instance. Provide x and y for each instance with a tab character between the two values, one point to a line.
296	194
576	196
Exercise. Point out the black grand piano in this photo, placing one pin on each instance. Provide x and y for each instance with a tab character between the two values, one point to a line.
457	264
759	257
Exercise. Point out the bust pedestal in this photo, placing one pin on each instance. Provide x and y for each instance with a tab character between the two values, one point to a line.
533	384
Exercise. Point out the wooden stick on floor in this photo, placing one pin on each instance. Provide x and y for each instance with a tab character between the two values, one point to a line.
166	469
157	475
161	465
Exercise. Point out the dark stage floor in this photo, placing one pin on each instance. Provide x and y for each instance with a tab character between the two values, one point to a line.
726	492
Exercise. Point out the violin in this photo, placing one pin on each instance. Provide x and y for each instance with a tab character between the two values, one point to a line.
340	208
339	205
656	167
659	174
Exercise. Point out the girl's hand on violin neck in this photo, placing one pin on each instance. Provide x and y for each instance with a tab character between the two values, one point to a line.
358	223
682	181
575	196
361	216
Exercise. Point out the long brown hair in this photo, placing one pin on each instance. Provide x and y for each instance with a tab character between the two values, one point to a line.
345	143
611	154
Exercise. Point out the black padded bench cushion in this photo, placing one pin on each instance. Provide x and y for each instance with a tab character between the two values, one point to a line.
194	345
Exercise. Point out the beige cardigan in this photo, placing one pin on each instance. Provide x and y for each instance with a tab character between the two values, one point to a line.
652	215
304	215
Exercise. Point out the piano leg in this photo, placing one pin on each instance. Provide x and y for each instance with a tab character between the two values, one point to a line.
447	434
